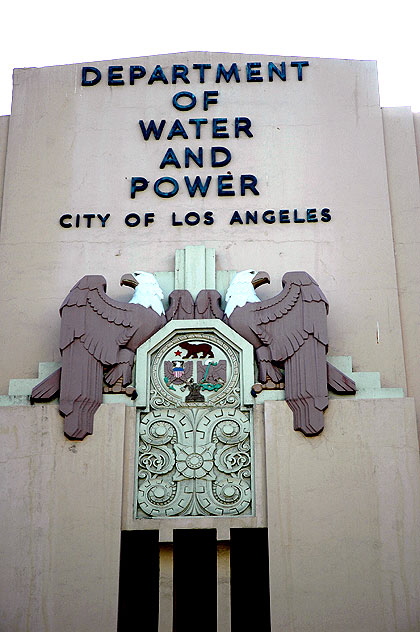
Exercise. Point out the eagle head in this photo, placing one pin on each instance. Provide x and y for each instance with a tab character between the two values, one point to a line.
242	289
147	291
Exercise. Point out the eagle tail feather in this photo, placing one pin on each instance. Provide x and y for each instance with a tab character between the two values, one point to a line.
47	389
306	387
339	382
81	392
306	416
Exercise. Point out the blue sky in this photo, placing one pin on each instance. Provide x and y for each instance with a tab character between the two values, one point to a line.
49	33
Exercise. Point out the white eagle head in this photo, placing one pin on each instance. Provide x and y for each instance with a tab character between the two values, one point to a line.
242	289
147	291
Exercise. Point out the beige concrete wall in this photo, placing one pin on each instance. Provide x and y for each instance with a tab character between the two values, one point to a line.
61	518
343	516
4	128
416	121
404	193
317	143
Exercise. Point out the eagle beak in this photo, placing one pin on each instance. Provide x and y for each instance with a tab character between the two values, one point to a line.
260	278
129	279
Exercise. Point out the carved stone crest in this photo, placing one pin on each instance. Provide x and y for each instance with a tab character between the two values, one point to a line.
195	432
194	369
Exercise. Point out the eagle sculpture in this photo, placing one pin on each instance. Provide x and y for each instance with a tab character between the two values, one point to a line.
288	333
97	334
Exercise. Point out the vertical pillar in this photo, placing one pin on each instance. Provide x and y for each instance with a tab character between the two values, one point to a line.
223	587
278	515
404	196
195	269
166	591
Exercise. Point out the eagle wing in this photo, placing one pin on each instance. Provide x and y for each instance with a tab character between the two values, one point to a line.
285	321
102	324
208	304
167	369
293	326
217	371
94	332
181	305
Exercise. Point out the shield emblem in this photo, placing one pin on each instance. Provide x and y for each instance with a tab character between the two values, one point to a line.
178	368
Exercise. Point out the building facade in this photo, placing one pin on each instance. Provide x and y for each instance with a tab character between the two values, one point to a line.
194	489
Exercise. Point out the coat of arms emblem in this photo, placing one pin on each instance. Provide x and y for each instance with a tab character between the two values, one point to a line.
204	372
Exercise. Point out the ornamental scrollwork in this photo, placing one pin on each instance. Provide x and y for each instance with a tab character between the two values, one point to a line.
194	462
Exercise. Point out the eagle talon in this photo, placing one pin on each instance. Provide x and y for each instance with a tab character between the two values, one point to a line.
269	385
256	389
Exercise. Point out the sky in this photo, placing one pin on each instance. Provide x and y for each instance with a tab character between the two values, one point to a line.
47	33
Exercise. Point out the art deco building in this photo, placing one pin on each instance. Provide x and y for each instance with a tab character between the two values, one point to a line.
239	463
